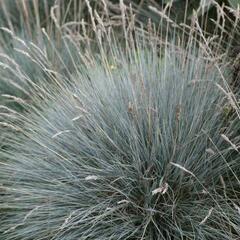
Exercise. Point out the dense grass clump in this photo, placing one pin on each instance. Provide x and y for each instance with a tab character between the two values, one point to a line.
133	146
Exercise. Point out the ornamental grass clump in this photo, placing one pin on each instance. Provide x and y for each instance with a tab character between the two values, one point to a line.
133	145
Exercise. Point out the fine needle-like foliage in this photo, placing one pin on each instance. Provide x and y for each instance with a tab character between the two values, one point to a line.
131	145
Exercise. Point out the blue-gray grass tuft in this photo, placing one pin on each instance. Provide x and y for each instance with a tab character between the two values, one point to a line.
133	146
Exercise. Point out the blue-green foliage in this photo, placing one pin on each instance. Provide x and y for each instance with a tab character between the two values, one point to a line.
131	149
26	63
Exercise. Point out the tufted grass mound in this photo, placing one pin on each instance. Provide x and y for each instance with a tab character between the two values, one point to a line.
133	145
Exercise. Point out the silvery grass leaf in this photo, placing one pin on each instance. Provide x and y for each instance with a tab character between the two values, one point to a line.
26	63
